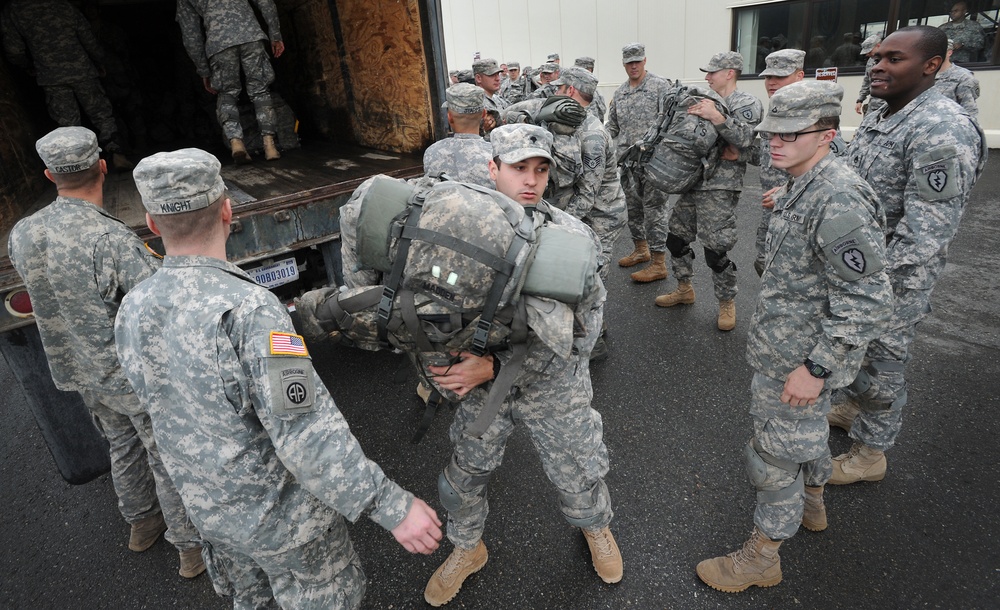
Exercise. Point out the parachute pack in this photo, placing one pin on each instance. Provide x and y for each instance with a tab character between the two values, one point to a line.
680	148
458	262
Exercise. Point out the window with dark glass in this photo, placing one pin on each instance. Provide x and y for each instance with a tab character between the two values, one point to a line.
831	31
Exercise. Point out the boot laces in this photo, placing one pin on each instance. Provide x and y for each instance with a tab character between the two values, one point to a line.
853	451
602	543
747	553
455	562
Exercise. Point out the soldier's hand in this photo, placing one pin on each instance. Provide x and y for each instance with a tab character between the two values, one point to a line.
801	388
469	372
857	108
730	153
208	85
420	530
768	201
489	122
277	48
706	109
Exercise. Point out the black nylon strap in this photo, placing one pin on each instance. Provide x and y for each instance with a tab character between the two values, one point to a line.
505	380
389	289
461	246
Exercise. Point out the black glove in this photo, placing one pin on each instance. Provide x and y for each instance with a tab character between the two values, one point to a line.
561	109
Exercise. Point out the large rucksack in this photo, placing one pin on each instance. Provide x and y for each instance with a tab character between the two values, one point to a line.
455	261
679	148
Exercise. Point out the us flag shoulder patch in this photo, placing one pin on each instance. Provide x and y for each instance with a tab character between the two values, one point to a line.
287	344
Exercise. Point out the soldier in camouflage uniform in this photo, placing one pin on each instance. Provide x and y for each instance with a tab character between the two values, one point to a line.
253	440
547	73
868	49
959	84
969	36
708	211
487	76
922	155
63	52
553	397
223	38
77	262
465	156
783	68
633	109
513	89
598	107
824	294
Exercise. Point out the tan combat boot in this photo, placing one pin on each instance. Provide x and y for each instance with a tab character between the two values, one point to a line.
240	154
270	149
756	564
192	563
727	315
448	578
682	295
861	463
145	532
423	391
657	270
814	511
605	554
843	414
639	255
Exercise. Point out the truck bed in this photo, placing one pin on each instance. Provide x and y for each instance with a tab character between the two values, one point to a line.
319	172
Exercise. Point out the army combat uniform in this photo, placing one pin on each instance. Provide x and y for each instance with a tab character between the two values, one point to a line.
62	49
632	112
231	42
967	33
960	85
77	262
876	104
464	157
264	460
922	162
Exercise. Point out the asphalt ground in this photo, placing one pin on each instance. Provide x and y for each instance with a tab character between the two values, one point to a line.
673	395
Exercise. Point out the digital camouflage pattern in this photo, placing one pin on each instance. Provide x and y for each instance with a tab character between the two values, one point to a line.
967	33
215	359
464	157
514	90
598	107
745	112
177	182
54	41
960	85
824	295
223	38
211	26
922	162
77	262
631	113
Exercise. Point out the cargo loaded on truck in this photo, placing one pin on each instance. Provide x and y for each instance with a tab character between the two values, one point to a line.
358	93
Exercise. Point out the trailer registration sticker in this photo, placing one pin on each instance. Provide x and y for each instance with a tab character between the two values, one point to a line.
275	274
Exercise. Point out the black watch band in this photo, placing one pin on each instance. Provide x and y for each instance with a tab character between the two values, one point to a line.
817	370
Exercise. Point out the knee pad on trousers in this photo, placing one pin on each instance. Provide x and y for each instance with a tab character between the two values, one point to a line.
875	390
454	482
718	261
678	247
590	500
763	468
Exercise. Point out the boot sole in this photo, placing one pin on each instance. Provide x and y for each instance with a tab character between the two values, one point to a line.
812	527
763	584
870	479
646	280
684	302
438	604
632	263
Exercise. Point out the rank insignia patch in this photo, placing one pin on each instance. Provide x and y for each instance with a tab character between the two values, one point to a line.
287	344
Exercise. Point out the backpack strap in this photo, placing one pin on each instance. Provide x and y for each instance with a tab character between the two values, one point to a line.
504	382
415	204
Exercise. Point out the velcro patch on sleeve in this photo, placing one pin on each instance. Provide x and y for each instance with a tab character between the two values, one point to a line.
287	344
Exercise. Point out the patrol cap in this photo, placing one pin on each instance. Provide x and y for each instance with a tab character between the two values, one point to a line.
513	143
800	105
869	43
633	52
784	62
466	76
489	67
586	63
548	68
513	65
579	78
553	57
67	150
181	181
727	60
464	98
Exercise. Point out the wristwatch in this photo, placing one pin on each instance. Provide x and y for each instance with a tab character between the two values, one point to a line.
817	370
